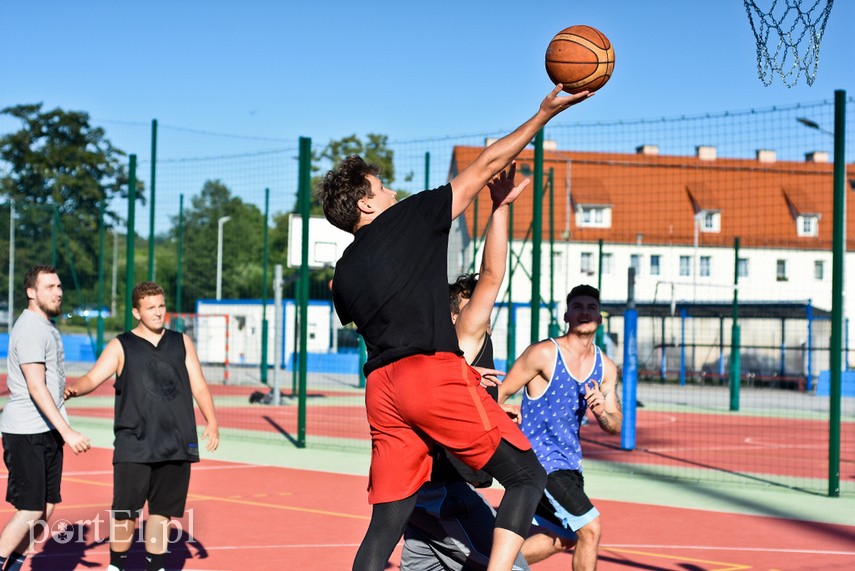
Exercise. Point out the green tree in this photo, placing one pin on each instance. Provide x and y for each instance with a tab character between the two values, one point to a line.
242	246
57	167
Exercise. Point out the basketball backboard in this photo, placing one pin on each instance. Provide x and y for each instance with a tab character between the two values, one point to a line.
326	242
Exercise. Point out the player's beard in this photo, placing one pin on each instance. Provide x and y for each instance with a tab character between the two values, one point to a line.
51	311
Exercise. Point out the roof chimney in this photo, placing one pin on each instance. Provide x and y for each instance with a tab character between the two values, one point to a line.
766	156
816	157
705	153
651	150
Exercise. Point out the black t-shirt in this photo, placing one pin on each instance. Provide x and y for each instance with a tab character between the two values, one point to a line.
391	281
154	419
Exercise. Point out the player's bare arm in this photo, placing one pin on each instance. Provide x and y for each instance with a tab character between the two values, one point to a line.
35	375
603	400
202	395
466	185
107	365
528	371
474	318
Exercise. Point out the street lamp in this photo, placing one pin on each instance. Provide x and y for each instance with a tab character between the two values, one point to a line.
220	223
813	125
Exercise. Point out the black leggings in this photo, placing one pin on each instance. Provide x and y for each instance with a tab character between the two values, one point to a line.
519	472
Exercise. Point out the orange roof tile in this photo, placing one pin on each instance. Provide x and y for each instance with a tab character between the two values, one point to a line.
657	197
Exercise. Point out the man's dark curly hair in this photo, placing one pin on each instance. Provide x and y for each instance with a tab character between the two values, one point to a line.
342	188
461	289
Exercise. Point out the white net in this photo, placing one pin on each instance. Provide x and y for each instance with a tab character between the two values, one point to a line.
795	30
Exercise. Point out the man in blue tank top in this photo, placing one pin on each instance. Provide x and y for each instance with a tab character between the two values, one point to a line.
158	376
563	378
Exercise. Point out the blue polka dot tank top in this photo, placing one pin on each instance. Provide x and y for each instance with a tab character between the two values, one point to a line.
551	421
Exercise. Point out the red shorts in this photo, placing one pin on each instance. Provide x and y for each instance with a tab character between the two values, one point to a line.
423	399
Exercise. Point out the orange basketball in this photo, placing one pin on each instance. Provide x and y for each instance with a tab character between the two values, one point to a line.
580	58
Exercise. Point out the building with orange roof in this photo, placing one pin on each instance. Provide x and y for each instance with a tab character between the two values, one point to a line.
675	219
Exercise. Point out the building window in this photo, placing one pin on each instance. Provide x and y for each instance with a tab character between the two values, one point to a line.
685	265
710	220
635	262
808	225
587	262
781	270
594	216
608	264
819	270
655	265
742	267
706	264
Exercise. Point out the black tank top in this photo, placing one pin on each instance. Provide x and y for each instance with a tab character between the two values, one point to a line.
446	467
154	419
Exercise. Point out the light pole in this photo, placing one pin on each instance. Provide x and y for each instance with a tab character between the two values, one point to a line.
220	223
809	123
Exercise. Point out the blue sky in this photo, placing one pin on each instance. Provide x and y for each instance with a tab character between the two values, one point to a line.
326	69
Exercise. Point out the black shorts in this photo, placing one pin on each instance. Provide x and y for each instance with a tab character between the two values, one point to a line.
34	462
564	506
163	484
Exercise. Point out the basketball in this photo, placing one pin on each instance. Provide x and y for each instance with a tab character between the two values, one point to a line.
580	58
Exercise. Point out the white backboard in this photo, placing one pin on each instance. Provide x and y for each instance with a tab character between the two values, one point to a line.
326	242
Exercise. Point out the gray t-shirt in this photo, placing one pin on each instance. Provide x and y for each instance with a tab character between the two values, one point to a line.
33	339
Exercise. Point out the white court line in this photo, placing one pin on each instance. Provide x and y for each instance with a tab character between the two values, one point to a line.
725	548
195	469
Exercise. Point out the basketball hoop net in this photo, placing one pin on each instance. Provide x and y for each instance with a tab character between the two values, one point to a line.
792	25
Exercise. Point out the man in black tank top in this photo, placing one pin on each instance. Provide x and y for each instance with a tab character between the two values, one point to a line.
158	377
452	523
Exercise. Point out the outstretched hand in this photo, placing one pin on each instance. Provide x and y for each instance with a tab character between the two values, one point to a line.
553	104
502	189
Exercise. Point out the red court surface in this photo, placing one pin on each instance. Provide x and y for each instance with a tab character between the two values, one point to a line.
244	516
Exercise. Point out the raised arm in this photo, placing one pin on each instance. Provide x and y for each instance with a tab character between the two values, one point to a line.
202	395
474	317
466	185
107	365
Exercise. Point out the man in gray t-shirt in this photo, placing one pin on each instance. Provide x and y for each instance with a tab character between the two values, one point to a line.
34	339
34	422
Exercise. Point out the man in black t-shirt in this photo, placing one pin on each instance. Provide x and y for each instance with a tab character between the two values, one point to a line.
391	283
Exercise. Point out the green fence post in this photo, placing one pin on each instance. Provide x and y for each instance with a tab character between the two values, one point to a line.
129	251
265	260
180	253
735	341
512	315
54	236
304	190
363	358
537	236
427	169
837	273
151	200
99	343
599	337
554	331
